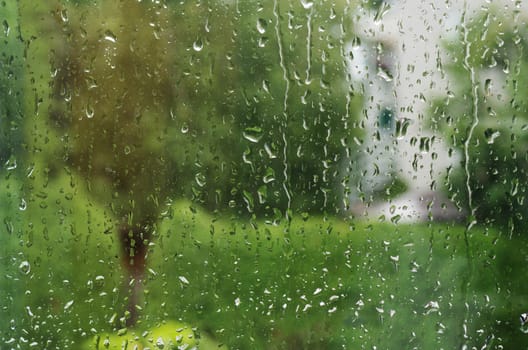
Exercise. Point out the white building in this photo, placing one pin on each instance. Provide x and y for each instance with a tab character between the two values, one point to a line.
399	68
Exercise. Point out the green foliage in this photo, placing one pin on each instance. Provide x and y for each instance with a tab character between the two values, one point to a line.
316	283
265	101
11	50
258	101
248	126
166	335
494	101
300	102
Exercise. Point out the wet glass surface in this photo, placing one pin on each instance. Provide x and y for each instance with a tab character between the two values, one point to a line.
233	174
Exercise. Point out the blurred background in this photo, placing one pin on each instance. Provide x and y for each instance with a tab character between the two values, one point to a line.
263	174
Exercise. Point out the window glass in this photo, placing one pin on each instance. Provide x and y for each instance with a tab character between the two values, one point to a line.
229	174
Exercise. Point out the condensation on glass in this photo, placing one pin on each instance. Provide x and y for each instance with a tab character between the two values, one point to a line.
230	174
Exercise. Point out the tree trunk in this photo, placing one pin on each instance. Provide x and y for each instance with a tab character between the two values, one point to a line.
134	245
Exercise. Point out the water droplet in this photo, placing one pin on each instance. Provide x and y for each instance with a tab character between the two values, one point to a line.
269	177
64	15
24	267
29	312
524	322
425	144
109	36
262	194
271	153
307	4
488	85
261	25
431	306
356	42
491	135
11	164
248	198
305	96
198	45
184	129
237	302
253	134
384	74
200	179
266	86
382	10
160	343
99	281
396	218
183	280
90	82
401	127
68	305
6	27
89	112
23	205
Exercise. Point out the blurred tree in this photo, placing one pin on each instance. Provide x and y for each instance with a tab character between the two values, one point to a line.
208	100
111	93
485	114
296	112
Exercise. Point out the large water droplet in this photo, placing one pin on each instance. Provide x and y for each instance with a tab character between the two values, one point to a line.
89	112
198	45
261	25
109	36
384	74
64	15
24	267
488	86
23	205
491	135
68	305
382	10
307	4
200	179
401	127
270	176
160	343
6	27
253	134
11	164
425	144
524	322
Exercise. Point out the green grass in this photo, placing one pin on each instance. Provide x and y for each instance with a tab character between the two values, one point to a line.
317	282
